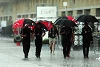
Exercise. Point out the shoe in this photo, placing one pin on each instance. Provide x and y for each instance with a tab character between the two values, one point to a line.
53	53
84	57
50	52
87	57
25	59
37	56
68	56
64	57
26	55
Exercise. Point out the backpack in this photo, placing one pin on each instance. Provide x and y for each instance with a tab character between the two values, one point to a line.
52	33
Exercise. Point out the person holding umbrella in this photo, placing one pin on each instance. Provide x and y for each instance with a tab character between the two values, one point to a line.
39	33
87	37
67	38
25	33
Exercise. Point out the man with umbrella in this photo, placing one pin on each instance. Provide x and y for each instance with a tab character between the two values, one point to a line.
67	38
25	33
87	37
67	33
39	33
52	34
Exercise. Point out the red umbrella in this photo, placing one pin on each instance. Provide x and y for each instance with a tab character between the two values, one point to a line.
21	22
18	23
47	24
71	18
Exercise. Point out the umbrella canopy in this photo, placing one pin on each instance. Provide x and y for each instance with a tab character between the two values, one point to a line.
18	23
86	18
21	22
64	21
71	18
46	24
29	21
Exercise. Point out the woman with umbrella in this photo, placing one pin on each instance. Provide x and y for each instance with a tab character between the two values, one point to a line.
87	37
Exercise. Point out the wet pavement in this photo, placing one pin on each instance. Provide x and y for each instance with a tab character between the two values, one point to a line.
12	56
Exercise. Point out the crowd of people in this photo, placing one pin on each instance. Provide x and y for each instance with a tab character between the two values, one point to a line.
67	38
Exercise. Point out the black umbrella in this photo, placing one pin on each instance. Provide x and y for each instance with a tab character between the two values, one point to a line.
29	21
86	18
41	25
64	21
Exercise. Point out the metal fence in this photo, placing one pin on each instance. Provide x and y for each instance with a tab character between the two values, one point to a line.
78	37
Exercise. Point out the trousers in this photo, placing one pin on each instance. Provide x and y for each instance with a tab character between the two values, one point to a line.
26	48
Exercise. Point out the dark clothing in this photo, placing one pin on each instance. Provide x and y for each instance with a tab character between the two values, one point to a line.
66	36
85	51
66	49
38	44
87	37
66	33
38	41
53	31
26	48
26	40
26	31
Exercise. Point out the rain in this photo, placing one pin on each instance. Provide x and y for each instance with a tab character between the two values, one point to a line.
15	15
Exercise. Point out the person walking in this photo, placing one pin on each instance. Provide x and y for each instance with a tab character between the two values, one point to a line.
87	38
39	33
52	34
25	33
67	37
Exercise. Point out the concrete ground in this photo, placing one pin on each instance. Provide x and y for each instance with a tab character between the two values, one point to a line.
12	56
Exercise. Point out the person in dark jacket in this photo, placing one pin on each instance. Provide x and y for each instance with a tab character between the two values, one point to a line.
25	33
87	37
52	34
39	33
67	34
